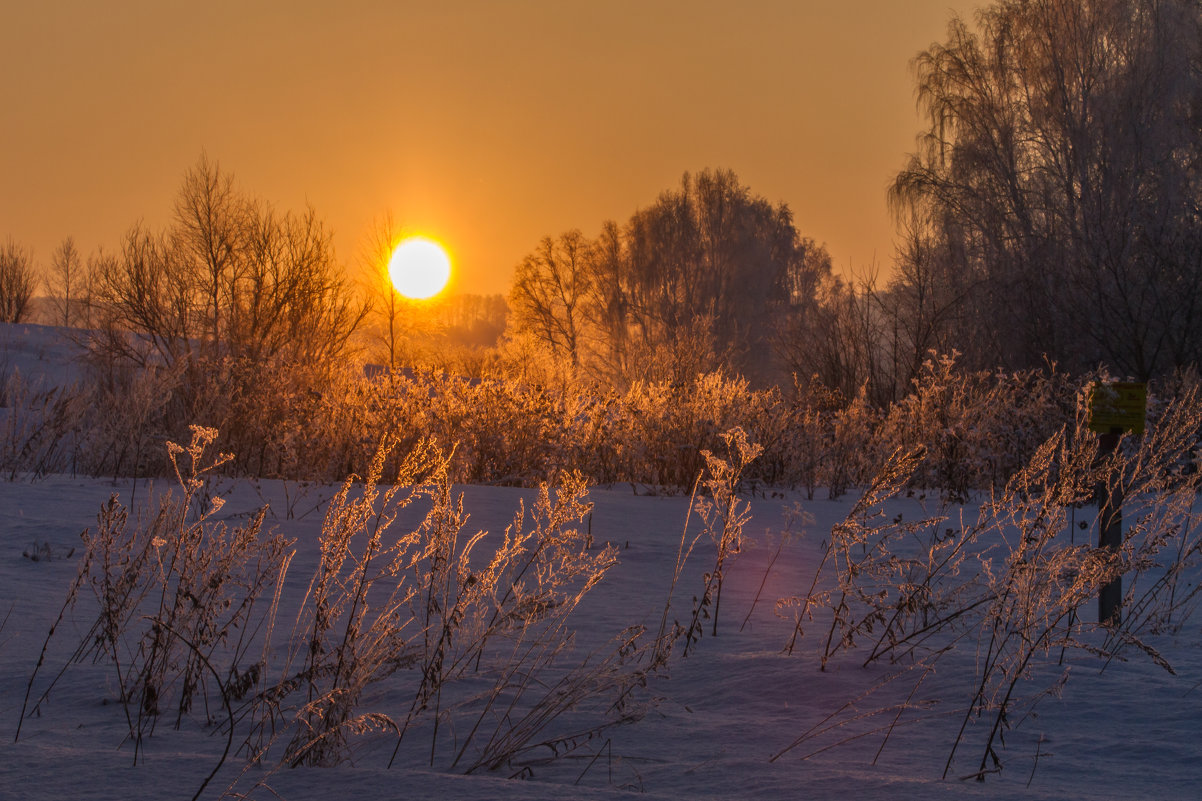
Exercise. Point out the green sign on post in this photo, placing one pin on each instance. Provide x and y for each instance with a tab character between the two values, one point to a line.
1114	409
1118	407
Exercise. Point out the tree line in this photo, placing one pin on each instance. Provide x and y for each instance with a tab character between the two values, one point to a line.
1050	214
231	278
1051	210
709	276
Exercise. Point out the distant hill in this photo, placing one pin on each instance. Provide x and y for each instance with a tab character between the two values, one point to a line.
41	352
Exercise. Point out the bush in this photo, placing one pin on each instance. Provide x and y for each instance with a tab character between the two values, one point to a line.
1012	583
435	613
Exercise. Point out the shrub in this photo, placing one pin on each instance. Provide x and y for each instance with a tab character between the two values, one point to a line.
175	596
1012	582
181	623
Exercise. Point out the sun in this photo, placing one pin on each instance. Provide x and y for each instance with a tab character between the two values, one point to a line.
419	268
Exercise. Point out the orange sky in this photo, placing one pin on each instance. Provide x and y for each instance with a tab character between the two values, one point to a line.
487	125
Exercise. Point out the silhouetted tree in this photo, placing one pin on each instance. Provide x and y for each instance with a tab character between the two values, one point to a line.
211	242
926	305
841	343
474	320
68	285
17	283
712	251
702	279
550	289
608	313
1056	190
142	292
386	321
229	278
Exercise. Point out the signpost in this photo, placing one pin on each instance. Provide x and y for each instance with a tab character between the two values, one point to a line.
1114	408
1118	407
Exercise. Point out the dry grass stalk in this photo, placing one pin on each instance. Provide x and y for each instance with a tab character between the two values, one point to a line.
1012	581
175	596
723	516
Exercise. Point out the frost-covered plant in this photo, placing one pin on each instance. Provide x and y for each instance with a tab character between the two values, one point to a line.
1013	583
849	455
430	609
176	596
662	429
125	420
723	515
977	428
809	433
291	422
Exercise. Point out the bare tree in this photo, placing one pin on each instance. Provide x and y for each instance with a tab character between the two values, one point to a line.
386	316
474	320
66	283
702	279
843	342
1058	182
140	291
230	278
17	283
87	309
608	314
550	289
211	236
289	299
713	252
927	305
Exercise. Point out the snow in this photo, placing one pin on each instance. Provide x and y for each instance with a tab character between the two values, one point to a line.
47	353
711	724
718	715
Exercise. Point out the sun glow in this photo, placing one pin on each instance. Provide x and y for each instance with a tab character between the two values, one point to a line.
419	268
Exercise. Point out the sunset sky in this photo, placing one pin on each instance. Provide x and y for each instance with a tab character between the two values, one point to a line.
486	125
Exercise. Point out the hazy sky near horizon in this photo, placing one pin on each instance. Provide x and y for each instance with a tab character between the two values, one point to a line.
486	125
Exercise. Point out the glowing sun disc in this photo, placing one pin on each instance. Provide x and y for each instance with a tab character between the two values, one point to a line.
419	268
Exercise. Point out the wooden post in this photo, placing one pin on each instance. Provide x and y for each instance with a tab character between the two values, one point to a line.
1113	409
1110	533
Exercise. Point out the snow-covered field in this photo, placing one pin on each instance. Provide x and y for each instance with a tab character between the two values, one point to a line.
710	724
715	719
